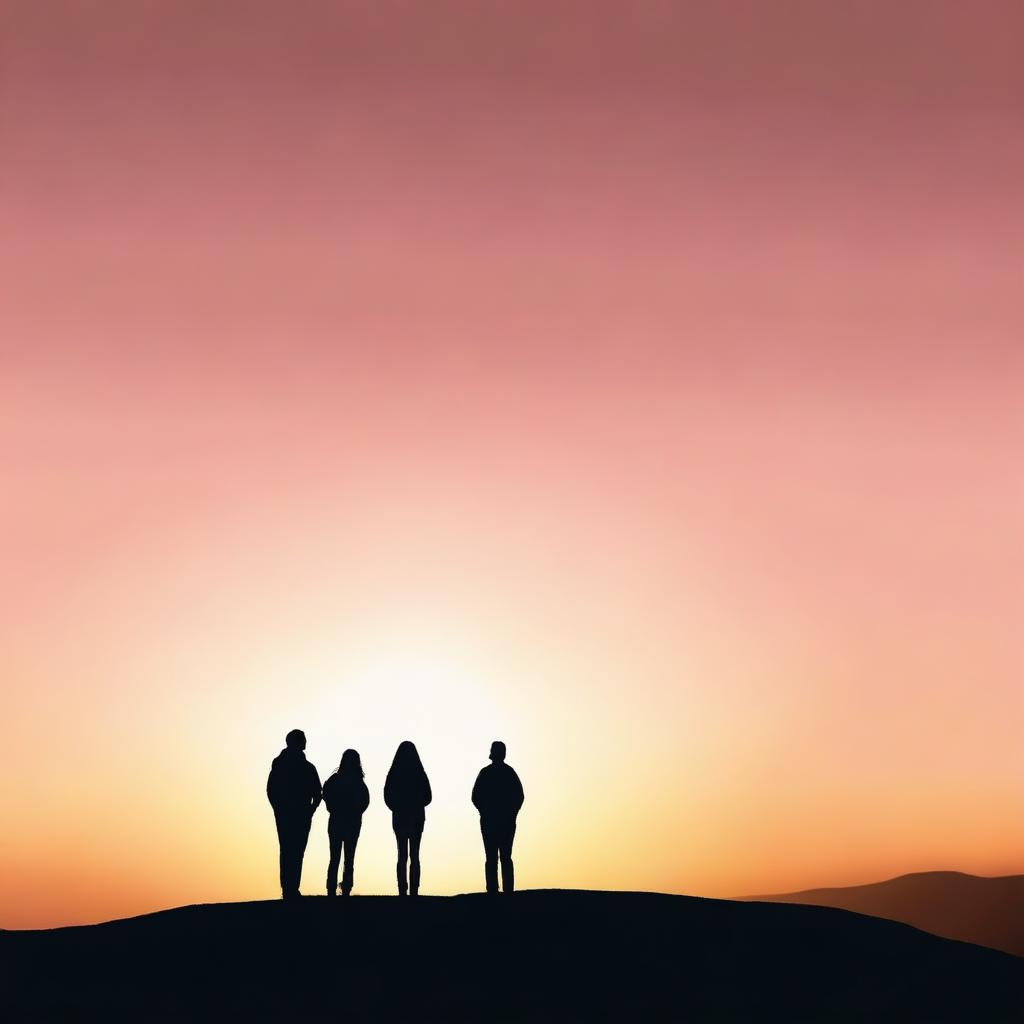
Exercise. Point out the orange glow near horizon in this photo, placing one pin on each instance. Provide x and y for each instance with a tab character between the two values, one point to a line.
657	414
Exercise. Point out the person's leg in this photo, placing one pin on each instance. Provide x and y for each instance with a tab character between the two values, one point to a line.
490	857
292	840
403	853
508	876
347	879
301	838
414	862
334	838
282	854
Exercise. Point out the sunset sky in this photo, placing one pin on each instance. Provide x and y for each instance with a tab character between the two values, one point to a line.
638	383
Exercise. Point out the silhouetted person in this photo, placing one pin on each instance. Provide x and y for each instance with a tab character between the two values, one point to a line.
293	789
407	793
498	795
346	797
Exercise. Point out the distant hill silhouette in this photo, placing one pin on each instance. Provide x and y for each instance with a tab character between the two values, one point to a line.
542	955
988	911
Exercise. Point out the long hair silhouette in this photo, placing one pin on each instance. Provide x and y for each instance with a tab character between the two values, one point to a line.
350	767
406	786
406	762
407	793
347	797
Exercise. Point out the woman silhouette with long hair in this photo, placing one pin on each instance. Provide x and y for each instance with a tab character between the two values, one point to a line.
346	797
407	793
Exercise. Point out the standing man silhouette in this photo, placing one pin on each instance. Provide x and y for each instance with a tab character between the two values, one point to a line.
293	789
498	795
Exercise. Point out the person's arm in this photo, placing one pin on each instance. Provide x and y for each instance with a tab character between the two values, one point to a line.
517	791
365	801
388	793
316	790
477	795
271	787
427	795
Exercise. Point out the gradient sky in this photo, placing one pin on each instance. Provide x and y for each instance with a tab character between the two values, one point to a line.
639	383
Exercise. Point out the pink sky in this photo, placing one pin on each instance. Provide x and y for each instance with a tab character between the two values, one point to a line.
644	379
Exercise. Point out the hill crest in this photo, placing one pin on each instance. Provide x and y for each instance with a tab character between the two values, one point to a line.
542	955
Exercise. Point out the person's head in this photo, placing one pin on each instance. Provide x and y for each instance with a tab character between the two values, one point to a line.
351	765
407	757
295	740
497	751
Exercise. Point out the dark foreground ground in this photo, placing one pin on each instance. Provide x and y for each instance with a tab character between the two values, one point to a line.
542	955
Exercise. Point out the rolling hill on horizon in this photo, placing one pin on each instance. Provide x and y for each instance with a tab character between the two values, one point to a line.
542	955
955	905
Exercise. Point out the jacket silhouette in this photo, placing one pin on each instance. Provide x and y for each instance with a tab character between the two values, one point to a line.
407	793
498	795
293	789
346	797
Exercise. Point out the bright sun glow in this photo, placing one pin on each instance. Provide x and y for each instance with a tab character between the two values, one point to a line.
431	688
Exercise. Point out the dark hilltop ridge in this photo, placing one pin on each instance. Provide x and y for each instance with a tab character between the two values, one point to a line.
548	955
987	911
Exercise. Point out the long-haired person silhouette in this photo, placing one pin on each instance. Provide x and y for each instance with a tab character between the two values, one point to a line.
346	797
407	793
293	789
